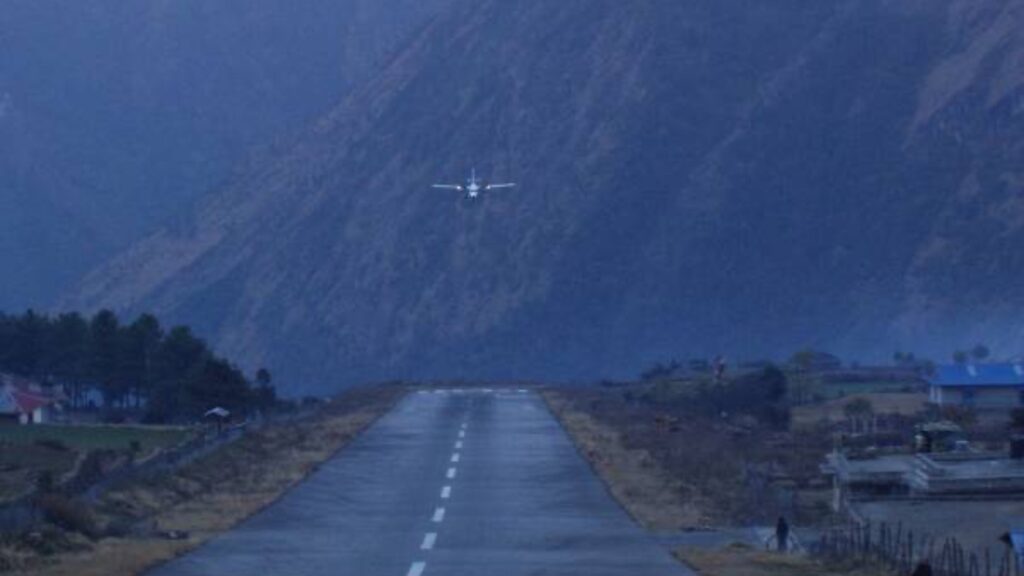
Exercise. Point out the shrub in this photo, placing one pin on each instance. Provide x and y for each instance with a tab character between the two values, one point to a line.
71	515
963	416
115	417
47	541
52	444
1017	419
45	482
118	528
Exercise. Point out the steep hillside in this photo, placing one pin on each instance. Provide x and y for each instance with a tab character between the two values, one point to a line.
116	114
969	128
695	177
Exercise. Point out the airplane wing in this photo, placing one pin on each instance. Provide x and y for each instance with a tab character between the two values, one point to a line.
495	186
448	187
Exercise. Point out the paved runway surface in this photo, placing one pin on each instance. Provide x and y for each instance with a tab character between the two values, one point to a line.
452	483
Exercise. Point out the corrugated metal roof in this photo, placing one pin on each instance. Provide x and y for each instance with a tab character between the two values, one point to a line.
978	375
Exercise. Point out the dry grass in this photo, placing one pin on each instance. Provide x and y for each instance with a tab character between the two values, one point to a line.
649	493
214	494
112	557
739	560
679	470
906	404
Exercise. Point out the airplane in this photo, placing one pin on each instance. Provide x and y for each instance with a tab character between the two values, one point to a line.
473	187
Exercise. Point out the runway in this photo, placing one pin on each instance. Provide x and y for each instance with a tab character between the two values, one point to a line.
454	483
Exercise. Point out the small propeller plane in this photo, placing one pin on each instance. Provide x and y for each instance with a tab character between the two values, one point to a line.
474	186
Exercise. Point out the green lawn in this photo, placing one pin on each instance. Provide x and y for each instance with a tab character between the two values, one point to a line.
20	465
96	437
839	389
25	452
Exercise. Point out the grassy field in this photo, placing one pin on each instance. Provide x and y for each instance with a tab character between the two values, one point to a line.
21	464
676	473
833	390
26	452
977	525
676	469
739	560
95	437
882	403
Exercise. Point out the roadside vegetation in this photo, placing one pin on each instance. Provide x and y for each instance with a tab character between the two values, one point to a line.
30	455
743	560
21	467
706	445
720	447
142	523
96	437
702	445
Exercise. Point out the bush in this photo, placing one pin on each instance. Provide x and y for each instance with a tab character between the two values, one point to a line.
47	542
154	417
52	444
963	416
71	515
119	528
45	482
1017	419
115	418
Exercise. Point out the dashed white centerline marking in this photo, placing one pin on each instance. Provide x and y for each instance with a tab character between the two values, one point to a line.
446	492
462	433
417	568
456	457
439	515
451	473
428	541
458	445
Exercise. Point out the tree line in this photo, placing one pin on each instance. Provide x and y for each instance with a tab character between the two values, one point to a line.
169	375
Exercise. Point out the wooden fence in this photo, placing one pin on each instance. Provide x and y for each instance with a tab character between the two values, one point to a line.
901	550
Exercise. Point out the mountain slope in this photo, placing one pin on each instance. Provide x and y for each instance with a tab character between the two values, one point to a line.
120	113
696	177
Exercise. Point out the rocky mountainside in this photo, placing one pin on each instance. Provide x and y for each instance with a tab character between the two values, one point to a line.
696	177
115	114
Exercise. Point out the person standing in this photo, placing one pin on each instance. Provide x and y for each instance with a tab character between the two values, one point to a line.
782	534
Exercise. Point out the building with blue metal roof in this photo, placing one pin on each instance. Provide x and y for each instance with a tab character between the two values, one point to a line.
994	386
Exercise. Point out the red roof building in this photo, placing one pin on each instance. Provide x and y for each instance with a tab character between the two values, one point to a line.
26	401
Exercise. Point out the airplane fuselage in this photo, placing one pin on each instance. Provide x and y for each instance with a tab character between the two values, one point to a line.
473	186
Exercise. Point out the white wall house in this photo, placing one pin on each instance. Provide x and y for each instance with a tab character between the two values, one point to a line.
25	402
